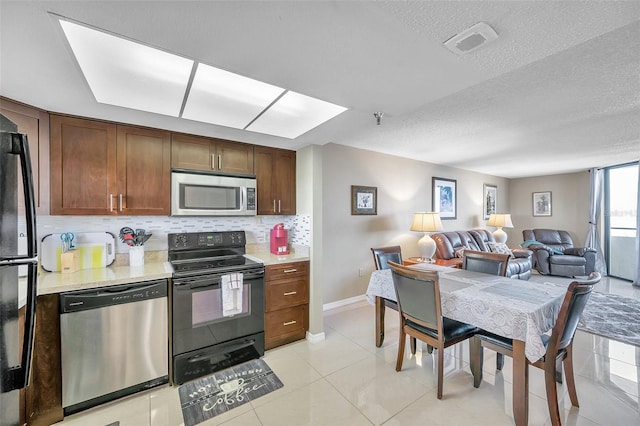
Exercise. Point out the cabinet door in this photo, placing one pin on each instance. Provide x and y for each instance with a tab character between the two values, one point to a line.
276	180
144	171
35	124
264	164
234	157
83	164
285	182
192	152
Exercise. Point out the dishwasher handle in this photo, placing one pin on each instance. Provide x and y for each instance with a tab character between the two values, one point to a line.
75	301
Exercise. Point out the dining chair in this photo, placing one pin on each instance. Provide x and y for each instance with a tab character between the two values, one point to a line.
488	263
381	255
418	295
485	262
559	346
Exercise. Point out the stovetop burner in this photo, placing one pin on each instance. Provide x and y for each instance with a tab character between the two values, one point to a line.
209	252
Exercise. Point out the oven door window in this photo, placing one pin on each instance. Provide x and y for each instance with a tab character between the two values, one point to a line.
211	306
206	197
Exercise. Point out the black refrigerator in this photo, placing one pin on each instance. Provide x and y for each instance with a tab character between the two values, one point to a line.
15	349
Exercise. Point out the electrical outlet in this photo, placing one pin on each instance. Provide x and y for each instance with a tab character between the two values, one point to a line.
360	272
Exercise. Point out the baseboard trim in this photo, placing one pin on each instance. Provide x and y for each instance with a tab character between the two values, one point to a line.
315	338
344	302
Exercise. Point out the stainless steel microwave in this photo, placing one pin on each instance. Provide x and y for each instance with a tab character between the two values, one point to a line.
195	194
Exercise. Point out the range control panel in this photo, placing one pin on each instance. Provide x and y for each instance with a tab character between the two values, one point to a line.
201	240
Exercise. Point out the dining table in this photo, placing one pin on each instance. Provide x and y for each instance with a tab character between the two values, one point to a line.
521	310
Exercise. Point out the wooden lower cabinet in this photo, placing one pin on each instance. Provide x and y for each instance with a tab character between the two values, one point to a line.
287	303
43	396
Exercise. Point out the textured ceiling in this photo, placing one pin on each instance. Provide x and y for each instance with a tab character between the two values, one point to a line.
558	92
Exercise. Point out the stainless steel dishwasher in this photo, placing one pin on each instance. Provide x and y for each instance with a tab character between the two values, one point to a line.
114	342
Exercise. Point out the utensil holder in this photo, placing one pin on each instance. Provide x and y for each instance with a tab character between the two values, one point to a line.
136	256
69	262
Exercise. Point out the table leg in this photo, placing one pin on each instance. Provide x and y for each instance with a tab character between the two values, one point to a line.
476	360
379	321
520	384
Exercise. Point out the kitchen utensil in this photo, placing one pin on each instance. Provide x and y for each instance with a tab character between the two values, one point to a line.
139	237
67	241
127	236
145	238
125	231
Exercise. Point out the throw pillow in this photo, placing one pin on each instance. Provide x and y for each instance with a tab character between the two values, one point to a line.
500	248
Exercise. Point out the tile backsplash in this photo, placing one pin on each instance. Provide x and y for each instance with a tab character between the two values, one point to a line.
256	227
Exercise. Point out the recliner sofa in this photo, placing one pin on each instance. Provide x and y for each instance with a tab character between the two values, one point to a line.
555	254
449	244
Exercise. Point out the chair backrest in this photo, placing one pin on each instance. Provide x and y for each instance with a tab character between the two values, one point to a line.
418	295
488	263
572	306
551	237
382	255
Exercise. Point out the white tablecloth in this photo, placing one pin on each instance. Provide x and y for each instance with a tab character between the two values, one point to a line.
508	307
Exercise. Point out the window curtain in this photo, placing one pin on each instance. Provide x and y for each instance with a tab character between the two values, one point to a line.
596	183
636	280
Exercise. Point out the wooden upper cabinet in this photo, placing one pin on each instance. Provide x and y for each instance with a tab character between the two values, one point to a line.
276	181
100	168
144	171
35	124
211	155
83	164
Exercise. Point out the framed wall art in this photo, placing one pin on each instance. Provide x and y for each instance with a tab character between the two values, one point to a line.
364	200
445	198
542	203
489	200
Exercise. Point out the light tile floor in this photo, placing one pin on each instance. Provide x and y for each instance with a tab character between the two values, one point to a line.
346	380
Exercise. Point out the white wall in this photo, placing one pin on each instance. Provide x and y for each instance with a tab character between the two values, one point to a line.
569	205
404	187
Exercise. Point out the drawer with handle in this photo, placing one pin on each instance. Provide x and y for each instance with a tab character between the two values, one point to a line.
286	293
285	325
287	270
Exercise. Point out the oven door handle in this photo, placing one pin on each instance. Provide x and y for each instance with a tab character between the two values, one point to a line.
193	283
211	280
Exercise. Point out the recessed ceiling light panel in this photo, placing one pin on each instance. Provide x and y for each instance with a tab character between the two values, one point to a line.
128	74
295	114
227	99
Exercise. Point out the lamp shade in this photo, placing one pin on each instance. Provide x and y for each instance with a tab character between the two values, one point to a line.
500	220
426	222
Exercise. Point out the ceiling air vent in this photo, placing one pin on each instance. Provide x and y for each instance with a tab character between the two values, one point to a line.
471	39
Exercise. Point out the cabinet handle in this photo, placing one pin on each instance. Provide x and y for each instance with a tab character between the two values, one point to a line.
288	271
274	205
120	202
279	207
213	161
290	322
219	162
289	293
110	202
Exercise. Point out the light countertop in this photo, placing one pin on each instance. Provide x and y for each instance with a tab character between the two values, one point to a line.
261	252
154	268
55	282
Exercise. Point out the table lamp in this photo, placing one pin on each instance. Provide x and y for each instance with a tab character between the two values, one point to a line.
426	222
500	220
